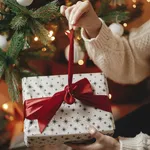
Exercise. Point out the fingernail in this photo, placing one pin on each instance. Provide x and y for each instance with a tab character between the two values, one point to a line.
92	130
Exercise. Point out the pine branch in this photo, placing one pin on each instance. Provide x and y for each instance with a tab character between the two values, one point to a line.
16	8
47	12
27	73
3	121
4	25
19	22
16	73
17	44
2	68
12	85
5	22
40	31
26	66
116	16
37	54
2	54
2	62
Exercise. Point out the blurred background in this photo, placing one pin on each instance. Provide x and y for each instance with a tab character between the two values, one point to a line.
124	98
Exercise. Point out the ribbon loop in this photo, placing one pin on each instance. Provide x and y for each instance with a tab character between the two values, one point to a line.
69	97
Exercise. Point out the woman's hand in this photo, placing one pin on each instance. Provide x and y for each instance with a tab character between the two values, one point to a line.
82	15
103	142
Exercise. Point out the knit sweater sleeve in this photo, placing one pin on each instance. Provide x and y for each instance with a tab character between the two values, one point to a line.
140	142
122	59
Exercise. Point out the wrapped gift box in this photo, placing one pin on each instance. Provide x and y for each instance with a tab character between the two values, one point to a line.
71	121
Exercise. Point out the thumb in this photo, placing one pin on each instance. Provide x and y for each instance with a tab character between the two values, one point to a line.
94	133
62	9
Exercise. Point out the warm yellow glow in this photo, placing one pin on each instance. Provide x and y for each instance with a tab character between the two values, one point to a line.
125	24
11	118
148	1
44	49
5	106
110	96
51	33
36	38
52	38
80	62
78	38
134	1
13	65
134	6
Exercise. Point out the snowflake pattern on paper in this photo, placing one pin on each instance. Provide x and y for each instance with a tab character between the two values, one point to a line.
70	122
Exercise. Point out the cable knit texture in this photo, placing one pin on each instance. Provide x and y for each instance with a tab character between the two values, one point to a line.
122	59
140	142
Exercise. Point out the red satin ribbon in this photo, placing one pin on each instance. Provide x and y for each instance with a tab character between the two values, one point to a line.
43	109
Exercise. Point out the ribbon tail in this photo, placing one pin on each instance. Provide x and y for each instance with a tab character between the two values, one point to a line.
42	124
49	110
102	102
45	121
32	107
98	101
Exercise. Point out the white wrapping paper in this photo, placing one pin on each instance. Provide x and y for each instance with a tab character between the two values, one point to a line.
71	121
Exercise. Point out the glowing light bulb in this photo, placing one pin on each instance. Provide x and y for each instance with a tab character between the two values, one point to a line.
11	118
134	1
5	106
148	1
51	33
78	38
125	24
110	96
36	38
52	38
80	62
134	6
44	49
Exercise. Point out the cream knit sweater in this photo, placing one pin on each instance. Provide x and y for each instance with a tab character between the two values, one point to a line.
125	60
122	59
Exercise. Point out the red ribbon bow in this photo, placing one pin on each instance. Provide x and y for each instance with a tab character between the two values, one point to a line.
43	109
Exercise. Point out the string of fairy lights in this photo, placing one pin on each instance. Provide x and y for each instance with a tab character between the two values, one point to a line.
51	34
7	106
81	62
134	5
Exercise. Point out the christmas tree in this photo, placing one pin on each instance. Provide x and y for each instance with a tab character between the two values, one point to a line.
24	23
29	30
